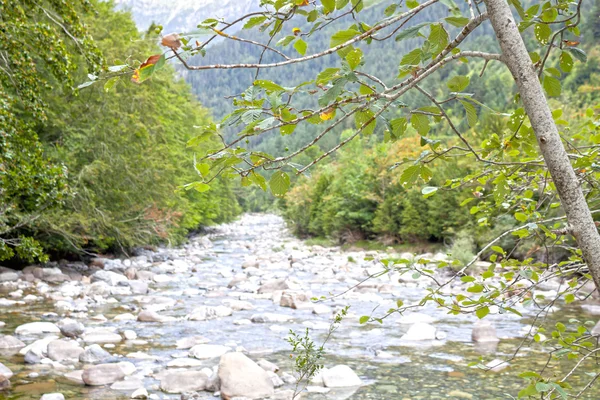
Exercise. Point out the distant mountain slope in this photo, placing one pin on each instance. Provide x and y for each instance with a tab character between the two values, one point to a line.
183	15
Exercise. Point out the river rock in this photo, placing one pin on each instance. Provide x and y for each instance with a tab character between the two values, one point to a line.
269	318
112	278
238	305
484	331
4	383
267	365
183	381
75	377
293	299
340	376
102	374
242	377
127	385
138	287
8	276
204	313
95	354
189	342
184	363
207	351
102	336
322	309
140	393
36	328
53	396
420	331
8	342
70	328
273	285
5	371
153	316
497	365
64	350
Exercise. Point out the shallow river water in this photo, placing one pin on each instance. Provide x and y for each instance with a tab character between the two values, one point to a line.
389	367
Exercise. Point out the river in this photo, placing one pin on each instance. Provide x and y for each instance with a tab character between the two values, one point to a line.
231	262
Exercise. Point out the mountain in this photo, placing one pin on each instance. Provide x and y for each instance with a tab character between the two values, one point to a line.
183	15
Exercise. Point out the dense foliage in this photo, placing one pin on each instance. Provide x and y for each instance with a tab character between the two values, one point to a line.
120	159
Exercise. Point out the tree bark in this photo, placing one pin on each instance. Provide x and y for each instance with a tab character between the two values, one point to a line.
516	57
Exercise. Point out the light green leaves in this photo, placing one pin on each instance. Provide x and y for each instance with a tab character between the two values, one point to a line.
365	117
482	312
421	123
551	86
327	75
269	86
542	33
428	191
342	37
300	46
459	22
412	58
471	112
198	186
566	61
520	217
328	6
354	58
458	83
414	172
438	37
279	183
411	32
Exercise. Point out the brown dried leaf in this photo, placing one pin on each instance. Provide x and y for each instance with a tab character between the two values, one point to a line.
171	41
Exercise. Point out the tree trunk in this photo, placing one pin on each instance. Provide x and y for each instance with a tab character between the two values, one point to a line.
515	54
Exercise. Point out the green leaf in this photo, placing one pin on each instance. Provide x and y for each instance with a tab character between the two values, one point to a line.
203	169
477	288
438	37
252	22
577	53
550	14
110	83
467	279
421	123
412	4
342	37
279	183
569	298
560	390
410	174
551	86
482	312
429	191
542	33
457	21
520	217
399	126
198	186
361	118
364	319
341	4
412	58
285	41
300	46
354	58
471	113
86	84
327	75
458	83
566	61
411	32
269	86
328	6
528	391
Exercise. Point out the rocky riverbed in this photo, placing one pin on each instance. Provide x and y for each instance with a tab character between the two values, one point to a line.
210	319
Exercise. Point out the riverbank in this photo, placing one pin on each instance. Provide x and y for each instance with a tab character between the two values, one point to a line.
161	322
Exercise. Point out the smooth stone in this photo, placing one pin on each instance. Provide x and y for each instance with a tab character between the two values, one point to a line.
8	342
64	350
94	354
340	376
420	331
207	351
270	318
184	363
497	365
102	374
127	385
129	334
140	393
36	328
183	381
240	376
111	278
153	316
267	365
71	328
53	396
189	342
204	313
484	331
102	337
5	371
75	377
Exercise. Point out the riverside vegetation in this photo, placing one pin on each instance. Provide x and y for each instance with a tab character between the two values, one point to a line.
396	129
